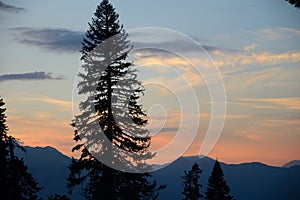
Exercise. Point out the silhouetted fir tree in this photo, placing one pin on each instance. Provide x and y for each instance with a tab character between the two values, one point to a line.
58	197
15	181
217	187
116	94
191	183
295	3
3	151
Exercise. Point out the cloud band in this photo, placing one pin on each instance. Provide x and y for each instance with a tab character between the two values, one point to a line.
30	76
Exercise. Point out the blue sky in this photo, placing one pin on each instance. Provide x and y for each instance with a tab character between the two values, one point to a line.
255	45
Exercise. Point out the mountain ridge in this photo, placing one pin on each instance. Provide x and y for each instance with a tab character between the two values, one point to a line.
292	164
254	180
288	164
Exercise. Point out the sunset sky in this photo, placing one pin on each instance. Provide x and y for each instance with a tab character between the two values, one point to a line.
255	45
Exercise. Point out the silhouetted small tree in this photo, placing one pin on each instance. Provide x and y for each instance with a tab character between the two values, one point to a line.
110	82
15	181
295	3
217	187
58	197
191	183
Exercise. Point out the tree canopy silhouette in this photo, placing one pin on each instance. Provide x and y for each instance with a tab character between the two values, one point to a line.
217	187
58	197
110	117
191	183
15	181
295	3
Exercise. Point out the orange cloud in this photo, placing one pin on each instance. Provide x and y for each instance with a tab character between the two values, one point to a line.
281	123
252	58
229	63
231	116
288	103
48	100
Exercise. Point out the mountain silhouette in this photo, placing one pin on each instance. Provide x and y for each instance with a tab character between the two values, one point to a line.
247	180
50	168
292	163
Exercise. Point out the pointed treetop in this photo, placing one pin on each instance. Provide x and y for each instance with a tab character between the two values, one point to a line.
191	183
3	125
217	186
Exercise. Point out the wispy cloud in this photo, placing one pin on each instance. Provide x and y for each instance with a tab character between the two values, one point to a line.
288	103
53	39
49	100
30	76
10	8
256	58
235	116
177	46
146	40
275	33
246	68
280	122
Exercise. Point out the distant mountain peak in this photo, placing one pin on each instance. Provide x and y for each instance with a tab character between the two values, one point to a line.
196	157
39	147
45	148
292	164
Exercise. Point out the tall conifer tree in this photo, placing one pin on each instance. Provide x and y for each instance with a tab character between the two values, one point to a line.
217	187
191	183
112	89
